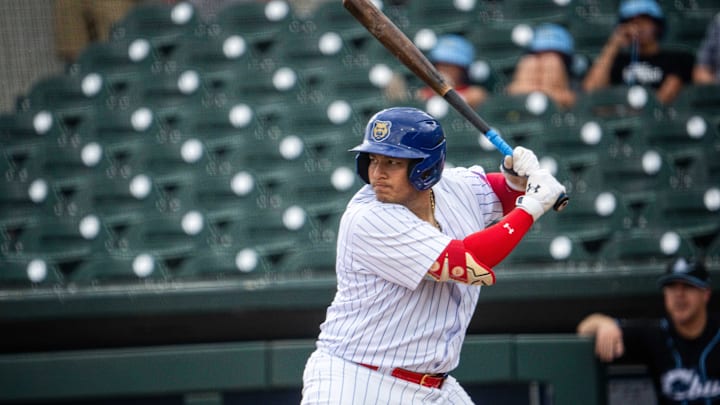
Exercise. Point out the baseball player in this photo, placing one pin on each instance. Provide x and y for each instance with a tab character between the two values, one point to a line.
681	351
414	247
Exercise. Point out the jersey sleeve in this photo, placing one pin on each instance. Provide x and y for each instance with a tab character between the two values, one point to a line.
389	241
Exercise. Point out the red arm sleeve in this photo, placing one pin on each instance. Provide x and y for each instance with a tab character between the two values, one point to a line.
470	260
503	191
491	245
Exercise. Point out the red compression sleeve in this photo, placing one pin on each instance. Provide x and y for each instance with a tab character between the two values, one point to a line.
491	245
503	191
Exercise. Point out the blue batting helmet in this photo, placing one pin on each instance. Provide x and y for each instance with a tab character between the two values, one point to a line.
405	132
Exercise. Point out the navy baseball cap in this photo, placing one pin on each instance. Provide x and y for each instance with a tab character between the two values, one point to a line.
686	271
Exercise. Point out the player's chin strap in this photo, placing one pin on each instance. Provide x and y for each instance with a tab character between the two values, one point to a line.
470	261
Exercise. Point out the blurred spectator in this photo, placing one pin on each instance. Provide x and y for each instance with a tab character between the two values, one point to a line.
707	64
80	22
452	55
633	55
546	67
682	350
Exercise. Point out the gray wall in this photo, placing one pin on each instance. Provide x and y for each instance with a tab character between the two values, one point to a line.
27	49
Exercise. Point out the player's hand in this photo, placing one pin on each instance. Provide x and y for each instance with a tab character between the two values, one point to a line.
517	167
609	342
540	194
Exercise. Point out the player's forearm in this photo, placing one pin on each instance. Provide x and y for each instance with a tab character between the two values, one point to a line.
502	189
592	323
703	75
470	260
599	74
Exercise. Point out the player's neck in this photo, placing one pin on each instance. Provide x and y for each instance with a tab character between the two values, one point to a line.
422	206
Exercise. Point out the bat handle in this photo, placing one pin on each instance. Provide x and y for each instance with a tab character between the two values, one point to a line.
495	138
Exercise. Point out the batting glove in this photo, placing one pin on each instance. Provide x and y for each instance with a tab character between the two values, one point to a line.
517	167
540	194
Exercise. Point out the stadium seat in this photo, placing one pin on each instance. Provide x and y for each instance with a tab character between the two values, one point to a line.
313	261
495	45
579	173
548	252
591	34
526	11
592	218
119	269
441	16
687	28
618	104
158	22
643	171
255	20
23	272
640	248
69	95
699	99
65	239
692	213
687	131
466	146
116	67
21	202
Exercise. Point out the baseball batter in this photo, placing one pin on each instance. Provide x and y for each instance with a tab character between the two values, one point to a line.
414	247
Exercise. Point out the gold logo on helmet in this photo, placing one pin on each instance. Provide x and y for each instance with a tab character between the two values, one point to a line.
380	130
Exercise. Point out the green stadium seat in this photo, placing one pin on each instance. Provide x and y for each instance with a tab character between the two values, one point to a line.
119	65
65	239
255	20
21	202
548	252
167	237
640	172
123	198
67	95
494	45
592	218
466	146
442	16
23	272
579	173
688	131
311	261
591	33
699	99
692	213
619	104
527	11
158	22
119	269
687	28
639	248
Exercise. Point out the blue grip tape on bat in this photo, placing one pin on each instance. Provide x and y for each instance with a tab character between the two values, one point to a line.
454	99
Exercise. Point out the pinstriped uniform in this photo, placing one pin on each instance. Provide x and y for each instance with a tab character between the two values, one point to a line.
385	312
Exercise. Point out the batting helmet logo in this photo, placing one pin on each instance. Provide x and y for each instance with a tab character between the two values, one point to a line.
381	130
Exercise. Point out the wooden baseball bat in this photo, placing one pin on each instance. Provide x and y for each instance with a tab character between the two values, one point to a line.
395	41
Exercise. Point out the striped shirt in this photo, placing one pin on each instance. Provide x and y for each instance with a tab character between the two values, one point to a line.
385	312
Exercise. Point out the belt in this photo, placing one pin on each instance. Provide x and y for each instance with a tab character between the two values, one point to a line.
426	380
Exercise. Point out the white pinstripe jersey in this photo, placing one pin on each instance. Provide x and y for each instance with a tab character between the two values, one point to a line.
385	312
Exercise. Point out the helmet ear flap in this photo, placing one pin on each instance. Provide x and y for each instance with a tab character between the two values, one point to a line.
362	165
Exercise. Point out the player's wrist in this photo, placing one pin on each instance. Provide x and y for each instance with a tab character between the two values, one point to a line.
531	206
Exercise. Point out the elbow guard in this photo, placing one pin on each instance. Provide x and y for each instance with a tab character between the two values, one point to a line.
457	264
